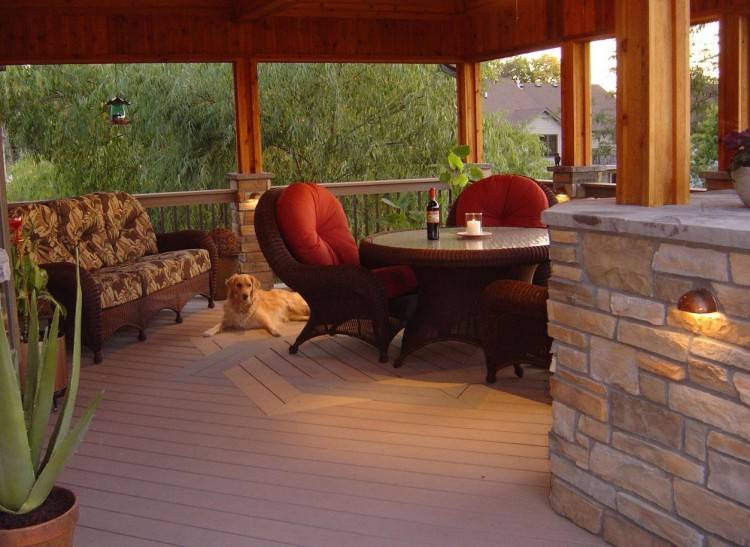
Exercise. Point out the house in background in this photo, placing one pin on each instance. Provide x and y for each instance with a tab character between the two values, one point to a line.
536	105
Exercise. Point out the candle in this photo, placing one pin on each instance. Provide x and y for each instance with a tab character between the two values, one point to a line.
474	227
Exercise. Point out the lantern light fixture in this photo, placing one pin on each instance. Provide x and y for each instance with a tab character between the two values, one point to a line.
699	301
118	113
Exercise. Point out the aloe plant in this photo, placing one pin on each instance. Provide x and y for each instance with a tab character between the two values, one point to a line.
29	467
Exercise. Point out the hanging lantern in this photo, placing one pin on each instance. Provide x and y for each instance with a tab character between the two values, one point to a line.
118	113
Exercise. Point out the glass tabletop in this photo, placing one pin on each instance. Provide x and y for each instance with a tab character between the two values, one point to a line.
501	238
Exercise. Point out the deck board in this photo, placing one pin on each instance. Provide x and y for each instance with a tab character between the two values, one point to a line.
232	441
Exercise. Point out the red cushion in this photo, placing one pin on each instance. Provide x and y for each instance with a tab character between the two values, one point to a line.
314	226
398	280
504	200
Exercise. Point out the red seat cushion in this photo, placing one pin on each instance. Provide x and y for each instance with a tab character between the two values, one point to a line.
398	280
314	226
504	200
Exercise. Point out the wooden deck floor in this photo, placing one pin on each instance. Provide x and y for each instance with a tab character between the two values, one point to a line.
231	441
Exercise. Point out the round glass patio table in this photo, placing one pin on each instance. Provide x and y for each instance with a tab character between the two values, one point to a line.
452	272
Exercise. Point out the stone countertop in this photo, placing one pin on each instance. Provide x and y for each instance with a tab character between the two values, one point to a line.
714	218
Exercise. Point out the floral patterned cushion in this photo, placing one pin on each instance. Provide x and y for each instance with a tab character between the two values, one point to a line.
107	228
117	286
192	262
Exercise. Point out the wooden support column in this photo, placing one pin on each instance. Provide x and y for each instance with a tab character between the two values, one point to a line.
653	102
247	116
734	80
575	92
469	88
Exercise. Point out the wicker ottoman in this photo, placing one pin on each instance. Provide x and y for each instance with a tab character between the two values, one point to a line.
513	326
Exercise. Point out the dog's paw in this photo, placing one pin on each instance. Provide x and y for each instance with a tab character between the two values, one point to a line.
275	333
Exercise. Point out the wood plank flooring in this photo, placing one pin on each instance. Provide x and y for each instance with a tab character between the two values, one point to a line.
230	441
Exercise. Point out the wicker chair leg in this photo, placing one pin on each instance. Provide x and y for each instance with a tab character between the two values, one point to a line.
491	375
178	319
293	349
98	356
211	303
141	335
518	369
383	355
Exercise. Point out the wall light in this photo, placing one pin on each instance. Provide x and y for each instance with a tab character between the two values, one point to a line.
698	301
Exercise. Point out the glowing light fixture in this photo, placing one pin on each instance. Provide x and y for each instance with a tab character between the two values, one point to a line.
698	301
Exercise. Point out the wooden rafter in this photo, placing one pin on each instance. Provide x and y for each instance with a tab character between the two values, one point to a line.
252	10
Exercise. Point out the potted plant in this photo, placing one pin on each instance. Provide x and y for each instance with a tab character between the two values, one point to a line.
739	169
33	511
229	251
30	279
456	173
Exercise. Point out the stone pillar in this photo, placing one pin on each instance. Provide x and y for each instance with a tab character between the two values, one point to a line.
570	179
249	187
650	443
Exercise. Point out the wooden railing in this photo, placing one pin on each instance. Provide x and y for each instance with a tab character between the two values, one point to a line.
197	209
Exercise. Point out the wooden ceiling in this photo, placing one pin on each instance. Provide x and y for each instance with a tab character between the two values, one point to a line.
59	31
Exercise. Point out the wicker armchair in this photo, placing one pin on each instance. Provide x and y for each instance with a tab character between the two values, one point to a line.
343	298
513	318
544	270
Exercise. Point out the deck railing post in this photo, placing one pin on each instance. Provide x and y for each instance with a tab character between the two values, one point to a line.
249	187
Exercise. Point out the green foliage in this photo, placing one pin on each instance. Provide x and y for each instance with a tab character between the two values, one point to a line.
28	472
513	149
455	172
545	68
320	122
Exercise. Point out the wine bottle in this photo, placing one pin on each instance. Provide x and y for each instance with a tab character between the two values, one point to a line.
433	217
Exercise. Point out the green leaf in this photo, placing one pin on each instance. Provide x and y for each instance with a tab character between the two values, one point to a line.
45	392
462	150
445	178
461	181
389	203
475	173
455	161
60	456
66	415
31	377
16	467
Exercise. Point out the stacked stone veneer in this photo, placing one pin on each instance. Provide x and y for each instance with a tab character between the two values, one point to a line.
651	434
249	187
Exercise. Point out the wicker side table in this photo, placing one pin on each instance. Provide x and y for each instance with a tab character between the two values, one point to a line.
228	248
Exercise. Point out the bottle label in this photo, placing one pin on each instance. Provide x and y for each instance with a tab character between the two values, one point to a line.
433	217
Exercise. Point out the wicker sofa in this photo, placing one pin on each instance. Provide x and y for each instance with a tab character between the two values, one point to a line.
128	272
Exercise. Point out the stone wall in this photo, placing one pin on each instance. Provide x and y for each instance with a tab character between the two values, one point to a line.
249	187
651	434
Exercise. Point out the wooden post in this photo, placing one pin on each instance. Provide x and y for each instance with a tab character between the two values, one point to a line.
469	88
247	116
734	79
575	91
653	102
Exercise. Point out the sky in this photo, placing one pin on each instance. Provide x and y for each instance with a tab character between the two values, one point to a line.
603	52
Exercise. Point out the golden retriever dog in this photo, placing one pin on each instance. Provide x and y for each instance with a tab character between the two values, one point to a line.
250	307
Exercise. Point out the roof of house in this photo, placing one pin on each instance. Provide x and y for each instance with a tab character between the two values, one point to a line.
522	103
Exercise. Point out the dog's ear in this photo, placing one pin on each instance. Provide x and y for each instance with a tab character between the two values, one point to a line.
255	282
230	280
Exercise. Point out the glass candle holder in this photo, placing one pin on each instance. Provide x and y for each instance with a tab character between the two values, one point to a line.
474	224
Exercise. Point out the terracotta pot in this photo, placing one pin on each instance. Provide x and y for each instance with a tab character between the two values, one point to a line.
61	381
56	532
741	178
227	267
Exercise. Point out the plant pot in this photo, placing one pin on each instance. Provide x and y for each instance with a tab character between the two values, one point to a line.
61	380
51	525
741	178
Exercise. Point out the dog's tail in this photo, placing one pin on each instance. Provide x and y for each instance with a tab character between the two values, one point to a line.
216	329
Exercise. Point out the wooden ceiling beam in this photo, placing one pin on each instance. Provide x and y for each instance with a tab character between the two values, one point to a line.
252	10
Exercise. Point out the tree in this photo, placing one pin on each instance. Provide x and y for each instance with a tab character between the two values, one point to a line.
544	68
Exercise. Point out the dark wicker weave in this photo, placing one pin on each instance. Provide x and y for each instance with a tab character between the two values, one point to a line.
513	318
544	270
99	324
451	280
343	299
